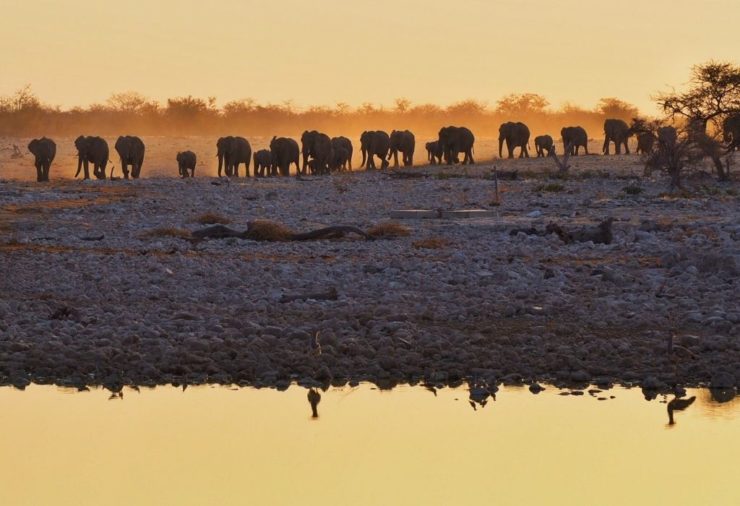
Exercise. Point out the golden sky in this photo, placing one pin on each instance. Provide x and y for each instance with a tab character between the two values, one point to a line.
78	52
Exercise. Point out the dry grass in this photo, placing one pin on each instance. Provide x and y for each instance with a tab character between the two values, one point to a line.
431	243
266	230
211	219
179	233
389	229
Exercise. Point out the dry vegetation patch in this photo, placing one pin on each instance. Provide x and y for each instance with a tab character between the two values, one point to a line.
211	218
266	230
388	230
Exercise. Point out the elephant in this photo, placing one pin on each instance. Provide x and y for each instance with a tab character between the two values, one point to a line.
731	132
345	143
618	132
340	158
186	160
575	137
317	147
405	142
231	152
263	163
645	143
544	145
434	153
44	150
455	140
516	135
374	143
92	150
284	152
131	150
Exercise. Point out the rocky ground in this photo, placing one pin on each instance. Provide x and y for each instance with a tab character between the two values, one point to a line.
99	283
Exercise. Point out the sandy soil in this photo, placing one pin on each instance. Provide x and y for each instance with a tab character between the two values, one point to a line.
95	290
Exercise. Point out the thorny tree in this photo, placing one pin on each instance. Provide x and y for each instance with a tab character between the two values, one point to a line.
712	97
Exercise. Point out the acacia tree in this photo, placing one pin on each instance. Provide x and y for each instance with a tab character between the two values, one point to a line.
713	94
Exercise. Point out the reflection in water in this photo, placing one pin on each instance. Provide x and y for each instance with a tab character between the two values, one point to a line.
723	394
479	394
215	445
678	404
314	397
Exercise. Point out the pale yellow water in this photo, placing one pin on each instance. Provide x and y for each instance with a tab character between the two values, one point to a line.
226	447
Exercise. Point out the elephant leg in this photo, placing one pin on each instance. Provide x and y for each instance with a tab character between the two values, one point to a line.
526	151
627	146
469	156
124	168
86	166
605	149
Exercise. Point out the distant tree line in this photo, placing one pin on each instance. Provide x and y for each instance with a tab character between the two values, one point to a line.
24	114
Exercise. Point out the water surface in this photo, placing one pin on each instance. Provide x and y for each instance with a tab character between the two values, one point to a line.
225	446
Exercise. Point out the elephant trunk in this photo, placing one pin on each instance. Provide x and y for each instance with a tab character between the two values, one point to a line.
79	165
364	158
500	146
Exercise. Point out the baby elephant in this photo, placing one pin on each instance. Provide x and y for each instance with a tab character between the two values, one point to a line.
186	161
434	153
544	145
263	163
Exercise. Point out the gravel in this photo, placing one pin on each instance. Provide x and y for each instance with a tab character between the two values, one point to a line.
87	297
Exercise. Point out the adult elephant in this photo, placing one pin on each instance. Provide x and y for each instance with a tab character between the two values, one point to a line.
731	132
374	143
544	145
434	153
343	143
618	132
131	150
516	135
284	152
44	150
186	161
317	152
405	142
645	143
92	150
231	152
575	137
455	140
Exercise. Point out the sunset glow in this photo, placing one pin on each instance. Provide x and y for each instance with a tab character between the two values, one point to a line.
78	52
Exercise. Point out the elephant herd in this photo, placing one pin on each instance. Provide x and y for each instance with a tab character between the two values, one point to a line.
320	154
